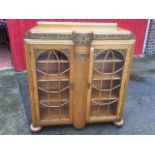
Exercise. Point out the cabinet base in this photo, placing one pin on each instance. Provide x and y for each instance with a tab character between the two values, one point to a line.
119	123
35	129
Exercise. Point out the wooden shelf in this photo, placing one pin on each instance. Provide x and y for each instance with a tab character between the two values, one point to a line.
52	61
106	76
53	104
107	60
55	101
45	78
105	98
54	97
105	95
49	86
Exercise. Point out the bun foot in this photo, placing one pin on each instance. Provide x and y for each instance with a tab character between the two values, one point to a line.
35	129
119	123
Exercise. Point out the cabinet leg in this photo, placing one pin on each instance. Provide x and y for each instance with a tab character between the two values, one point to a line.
119	123
35	129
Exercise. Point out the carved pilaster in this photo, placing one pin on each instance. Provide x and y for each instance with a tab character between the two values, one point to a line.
82	38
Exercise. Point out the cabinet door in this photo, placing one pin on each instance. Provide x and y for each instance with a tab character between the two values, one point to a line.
52	80
108	75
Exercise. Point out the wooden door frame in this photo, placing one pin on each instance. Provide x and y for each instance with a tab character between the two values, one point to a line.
122	44
32	78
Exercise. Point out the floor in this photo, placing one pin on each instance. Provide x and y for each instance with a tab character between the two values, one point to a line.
139	115
5	58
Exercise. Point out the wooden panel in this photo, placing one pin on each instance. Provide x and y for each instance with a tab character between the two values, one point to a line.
30	85
80	86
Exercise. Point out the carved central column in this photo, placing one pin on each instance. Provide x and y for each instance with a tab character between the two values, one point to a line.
82	42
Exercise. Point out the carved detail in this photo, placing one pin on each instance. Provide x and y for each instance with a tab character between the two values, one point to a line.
99	51
53	36
66	52
79	37
113	36
82	38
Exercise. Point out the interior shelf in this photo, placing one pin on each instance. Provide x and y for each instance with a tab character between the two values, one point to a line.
53	103
52	61
54	96
107	60
103	101
53	78
53	86
104	95
106	77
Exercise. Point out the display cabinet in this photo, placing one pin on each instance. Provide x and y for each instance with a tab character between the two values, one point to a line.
77	73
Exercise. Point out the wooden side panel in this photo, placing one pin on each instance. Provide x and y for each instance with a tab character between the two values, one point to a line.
30	84
35	85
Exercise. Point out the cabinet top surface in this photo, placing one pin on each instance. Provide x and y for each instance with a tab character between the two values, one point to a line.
69	27
66	31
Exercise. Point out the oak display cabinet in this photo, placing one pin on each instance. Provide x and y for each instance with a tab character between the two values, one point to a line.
77	73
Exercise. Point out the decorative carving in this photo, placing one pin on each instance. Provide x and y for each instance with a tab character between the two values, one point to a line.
114	36
66	52
38	52
82	38
53	36
79	38
99	51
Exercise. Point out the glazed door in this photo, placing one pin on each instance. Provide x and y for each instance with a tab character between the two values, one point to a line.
106	71
52	72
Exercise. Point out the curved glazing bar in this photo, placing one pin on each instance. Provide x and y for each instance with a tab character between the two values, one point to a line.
42	102
104	103
50	91
120	69
53	74
110	89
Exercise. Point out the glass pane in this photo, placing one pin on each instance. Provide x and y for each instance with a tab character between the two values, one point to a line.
107	74
53	84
